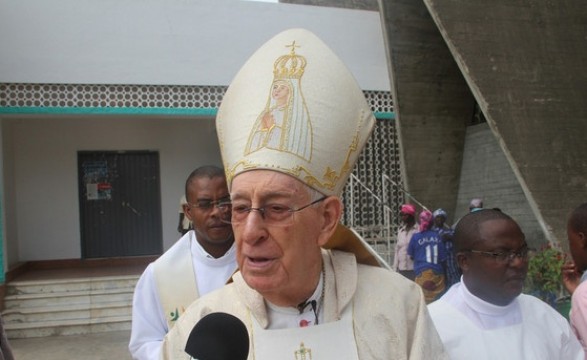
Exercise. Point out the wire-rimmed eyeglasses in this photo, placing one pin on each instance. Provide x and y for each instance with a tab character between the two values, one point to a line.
272	213
222	204
504	257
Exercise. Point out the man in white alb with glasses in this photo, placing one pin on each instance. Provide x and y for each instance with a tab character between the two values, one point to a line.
202	260
486	316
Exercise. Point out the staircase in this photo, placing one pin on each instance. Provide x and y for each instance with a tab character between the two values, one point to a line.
38	308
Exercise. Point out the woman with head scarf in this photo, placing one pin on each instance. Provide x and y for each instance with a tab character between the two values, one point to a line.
402	262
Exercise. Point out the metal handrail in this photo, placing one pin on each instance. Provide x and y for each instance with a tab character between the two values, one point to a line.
385	177
385	209
383	232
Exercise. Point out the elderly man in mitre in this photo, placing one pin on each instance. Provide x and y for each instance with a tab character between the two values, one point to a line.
286	167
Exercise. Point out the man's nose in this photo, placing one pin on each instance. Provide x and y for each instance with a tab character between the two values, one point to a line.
517	261
252	227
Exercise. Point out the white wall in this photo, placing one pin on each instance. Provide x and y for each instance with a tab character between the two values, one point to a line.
44	153
172	42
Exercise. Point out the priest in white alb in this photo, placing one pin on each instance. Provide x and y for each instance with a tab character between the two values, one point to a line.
202	260
485	316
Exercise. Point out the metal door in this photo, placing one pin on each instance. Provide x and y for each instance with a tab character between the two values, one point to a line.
120	203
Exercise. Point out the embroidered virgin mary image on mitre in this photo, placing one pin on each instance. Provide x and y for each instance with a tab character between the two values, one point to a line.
284	124
294	107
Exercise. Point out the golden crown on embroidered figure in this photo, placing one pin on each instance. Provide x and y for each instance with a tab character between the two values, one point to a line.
289	66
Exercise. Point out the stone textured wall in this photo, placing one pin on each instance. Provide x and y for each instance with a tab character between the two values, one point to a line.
486	173
431	100
524	62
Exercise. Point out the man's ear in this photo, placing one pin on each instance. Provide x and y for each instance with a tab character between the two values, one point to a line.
463	261
186	211
583	239
330	215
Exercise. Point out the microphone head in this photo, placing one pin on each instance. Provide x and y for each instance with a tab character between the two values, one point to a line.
218	336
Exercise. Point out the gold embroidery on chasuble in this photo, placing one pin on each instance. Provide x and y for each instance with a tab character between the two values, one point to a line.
303	353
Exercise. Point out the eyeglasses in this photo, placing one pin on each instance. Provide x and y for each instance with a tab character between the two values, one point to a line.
272	213
206	205
504	257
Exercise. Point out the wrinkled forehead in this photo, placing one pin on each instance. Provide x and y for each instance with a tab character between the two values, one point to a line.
266	184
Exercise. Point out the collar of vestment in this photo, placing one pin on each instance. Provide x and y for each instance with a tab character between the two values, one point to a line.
341	283
488	315
200	253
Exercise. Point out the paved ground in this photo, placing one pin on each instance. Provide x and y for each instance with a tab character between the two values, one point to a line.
101	346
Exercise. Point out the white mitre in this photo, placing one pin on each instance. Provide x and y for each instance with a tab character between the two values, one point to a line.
295	108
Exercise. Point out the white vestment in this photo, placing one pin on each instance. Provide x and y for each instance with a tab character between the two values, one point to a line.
527	328
161	295
389	319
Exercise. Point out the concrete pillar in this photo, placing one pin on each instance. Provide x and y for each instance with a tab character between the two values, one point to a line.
523	63
432	103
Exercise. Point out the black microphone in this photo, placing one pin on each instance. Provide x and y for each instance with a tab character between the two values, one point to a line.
302	307
218	336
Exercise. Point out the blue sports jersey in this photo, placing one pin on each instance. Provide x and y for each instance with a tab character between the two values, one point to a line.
428	252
